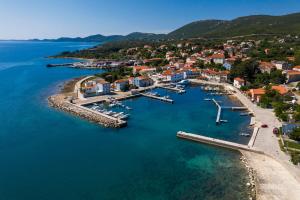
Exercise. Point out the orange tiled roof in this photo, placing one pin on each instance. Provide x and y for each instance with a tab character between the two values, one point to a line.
280	89
239	79
293	72
121	80
217	56
259	91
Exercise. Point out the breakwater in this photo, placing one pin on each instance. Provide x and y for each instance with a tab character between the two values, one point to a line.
59	102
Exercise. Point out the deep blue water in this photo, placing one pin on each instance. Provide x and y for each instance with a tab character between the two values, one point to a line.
48	154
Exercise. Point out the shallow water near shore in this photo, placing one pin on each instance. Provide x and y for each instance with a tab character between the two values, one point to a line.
48	154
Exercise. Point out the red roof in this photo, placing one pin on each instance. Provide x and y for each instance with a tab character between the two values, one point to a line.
217	56
239	79
279	88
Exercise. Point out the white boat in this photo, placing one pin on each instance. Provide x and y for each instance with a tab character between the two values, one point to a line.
184	82
128	108
124	116
245	134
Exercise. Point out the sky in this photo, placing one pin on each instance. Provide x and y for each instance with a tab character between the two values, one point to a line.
27	19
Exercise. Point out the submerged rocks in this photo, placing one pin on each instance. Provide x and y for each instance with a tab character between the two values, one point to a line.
62	102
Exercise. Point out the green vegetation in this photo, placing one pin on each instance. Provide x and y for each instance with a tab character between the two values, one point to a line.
256	24
295	135
112	76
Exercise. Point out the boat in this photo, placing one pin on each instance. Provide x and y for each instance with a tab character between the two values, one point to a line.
245	134
184	82
207	99
124	116
128	108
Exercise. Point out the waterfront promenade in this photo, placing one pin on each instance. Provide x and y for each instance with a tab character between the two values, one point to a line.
276	177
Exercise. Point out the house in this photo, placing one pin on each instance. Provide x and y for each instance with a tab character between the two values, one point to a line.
218	58
137	69
102	87
296	68
256	94
173	76
190	73
238	82
281	89
142	81
121	85
266	67
96	87
218	76
190	61
292	75
280	65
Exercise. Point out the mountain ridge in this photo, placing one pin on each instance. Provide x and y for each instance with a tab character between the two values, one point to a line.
211	28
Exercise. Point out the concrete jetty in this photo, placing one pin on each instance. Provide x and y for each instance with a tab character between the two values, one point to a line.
215	142
235	107
171	88
158	98
218	120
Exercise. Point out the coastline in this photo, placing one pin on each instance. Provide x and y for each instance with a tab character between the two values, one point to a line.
272	173
263	183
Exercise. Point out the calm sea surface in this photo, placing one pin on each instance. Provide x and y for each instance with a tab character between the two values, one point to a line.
50	155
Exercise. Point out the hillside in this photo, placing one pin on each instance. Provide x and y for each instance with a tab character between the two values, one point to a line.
255	24
101	38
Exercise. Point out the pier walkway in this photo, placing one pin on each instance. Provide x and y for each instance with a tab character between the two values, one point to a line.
158	98
216	142
171	88
218	120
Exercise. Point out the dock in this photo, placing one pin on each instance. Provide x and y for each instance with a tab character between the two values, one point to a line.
215	142
218	120
172	89
235	108
158	98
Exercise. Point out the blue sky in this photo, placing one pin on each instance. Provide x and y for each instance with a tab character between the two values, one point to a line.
22	19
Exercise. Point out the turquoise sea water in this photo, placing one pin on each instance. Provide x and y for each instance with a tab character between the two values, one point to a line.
47	154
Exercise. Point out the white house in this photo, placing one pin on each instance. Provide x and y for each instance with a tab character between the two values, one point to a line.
218	58
238	82
96	87
173	76
121	85
142	81
281	65
102	87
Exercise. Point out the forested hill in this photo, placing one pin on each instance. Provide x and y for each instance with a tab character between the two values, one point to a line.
255	24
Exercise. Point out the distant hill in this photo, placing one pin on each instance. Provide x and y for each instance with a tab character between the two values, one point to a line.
255	24
101	38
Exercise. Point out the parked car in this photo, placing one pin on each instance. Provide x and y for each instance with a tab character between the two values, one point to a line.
275	131
264	126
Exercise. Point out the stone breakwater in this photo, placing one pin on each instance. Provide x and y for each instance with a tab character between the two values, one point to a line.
62	103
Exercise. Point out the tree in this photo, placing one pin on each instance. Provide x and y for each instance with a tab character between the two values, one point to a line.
246	69
295	135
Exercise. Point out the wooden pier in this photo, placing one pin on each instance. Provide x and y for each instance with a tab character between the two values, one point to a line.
215	142
158	98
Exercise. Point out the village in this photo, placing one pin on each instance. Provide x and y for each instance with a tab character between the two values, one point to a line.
273	83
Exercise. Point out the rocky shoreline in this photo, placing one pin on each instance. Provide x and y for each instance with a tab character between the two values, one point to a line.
251	184
61	102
